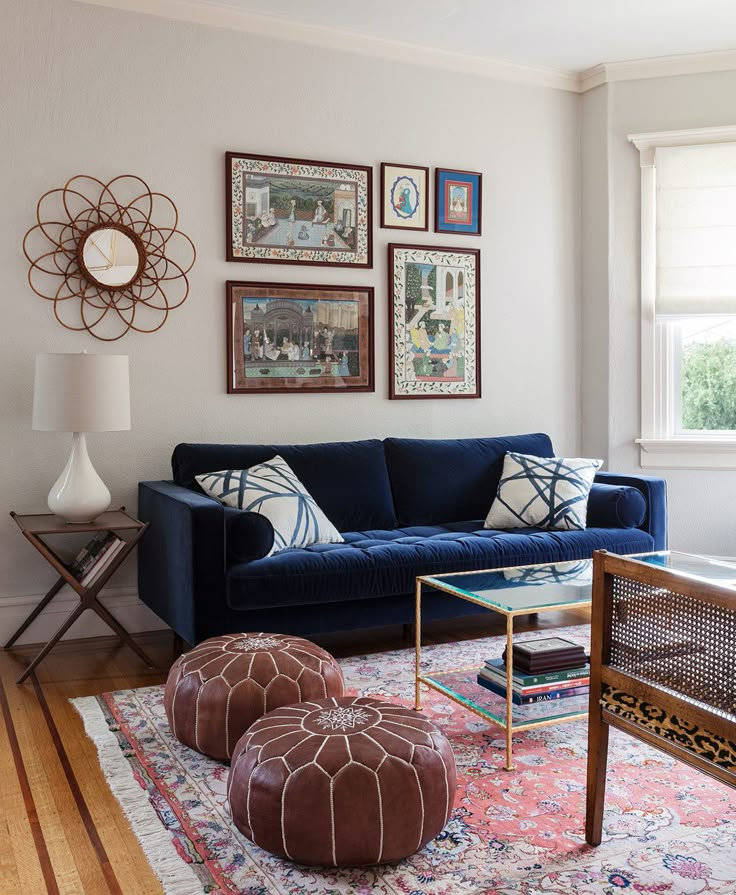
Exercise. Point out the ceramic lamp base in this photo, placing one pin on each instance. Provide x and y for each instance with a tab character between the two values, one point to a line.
79	494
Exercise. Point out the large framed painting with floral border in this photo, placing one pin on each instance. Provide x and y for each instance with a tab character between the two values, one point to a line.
404	197
458	202
286	337
296	211
434	322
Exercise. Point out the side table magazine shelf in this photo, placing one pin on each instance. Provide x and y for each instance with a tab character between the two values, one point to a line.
95	570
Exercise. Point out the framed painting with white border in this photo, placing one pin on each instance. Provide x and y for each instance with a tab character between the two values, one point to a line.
404	197
297	211
434	322
458	202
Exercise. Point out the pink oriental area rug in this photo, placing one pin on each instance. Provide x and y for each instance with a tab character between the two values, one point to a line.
668	830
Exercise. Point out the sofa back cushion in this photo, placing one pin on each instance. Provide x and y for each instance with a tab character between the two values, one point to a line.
451	480
347	479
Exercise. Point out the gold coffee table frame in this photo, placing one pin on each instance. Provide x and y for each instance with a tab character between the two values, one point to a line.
510	614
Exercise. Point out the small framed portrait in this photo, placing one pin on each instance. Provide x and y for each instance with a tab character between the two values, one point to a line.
458	201
284	337
404	197
296	211
434	328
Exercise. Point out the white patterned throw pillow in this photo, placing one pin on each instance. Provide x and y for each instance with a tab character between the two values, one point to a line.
542	492
273	490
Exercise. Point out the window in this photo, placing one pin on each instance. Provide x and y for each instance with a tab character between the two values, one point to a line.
688	286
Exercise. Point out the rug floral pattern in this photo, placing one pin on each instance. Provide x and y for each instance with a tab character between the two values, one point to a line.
668	830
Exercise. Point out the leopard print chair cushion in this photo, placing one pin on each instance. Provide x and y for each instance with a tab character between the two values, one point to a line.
697	740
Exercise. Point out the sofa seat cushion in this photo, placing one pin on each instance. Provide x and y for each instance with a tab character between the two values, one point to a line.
382	563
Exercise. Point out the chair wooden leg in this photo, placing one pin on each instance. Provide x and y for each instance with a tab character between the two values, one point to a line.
596	785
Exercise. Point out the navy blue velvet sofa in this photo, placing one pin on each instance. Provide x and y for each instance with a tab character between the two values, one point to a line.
405	507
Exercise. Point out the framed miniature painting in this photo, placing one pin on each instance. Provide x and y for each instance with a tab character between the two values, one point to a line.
434	320
458	201
404	197
295	211
283	337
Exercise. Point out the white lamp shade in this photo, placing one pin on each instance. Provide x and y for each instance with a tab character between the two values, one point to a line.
81	393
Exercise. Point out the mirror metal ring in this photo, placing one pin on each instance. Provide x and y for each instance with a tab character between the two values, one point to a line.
111	255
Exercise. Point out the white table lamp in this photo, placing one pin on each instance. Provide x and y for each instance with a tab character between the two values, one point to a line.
80	393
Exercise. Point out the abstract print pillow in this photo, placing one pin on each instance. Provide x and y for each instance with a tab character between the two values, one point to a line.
542	492
273	490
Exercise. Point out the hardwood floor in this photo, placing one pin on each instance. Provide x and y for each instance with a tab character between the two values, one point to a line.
63	829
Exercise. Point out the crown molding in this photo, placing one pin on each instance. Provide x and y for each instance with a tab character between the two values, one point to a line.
657	67
219	15
222	16
592	77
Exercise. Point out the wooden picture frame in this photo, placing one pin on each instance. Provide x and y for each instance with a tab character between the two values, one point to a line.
404	197
298	211
295	338
434	322
458	202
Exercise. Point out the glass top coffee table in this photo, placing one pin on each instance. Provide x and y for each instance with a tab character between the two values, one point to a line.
513	591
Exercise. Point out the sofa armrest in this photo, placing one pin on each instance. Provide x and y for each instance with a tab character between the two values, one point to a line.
654	491
181	560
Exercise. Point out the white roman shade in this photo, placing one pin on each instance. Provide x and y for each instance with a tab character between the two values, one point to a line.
696	229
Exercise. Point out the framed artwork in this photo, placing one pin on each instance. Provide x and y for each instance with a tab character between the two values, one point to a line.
458	201
434	322
295	211
404	197
283	337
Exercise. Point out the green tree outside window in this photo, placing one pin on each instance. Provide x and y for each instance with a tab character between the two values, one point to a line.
709	385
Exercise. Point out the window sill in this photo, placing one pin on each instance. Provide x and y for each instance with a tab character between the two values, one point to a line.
688	453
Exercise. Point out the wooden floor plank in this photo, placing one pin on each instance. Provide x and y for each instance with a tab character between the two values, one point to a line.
75	865
90	847
126	859
23	861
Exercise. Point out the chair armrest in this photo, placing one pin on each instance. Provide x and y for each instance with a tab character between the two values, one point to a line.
181	560
654	491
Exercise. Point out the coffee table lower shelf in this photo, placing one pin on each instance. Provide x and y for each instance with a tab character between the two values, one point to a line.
462	687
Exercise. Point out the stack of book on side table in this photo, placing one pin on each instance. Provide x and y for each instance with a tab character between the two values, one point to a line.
95	557
543	670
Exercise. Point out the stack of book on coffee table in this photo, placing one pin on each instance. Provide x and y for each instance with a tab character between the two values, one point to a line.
543	670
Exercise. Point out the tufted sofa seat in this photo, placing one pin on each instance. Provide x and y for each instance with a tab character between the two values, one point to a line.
380	563
405	507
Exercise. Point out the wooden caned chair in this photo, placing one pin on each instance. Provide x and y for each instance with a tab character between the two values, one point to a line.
662	667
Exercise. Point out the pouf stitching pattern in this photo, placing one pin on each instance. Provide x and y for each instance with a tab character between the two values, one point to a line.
261	643
342	720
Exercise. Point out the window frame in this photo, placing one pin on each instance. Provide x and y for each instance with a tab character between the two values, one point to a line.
660	444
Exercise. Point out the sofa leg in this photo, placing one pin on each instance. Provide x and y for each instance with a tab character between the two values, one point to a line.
180	645
408	633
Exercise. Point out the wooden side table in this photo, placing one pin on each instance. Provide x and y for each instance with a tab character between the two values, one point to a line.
33	528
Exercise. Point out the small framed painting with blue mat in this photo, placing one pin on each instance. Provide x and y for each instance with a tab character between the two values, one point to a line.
458	201
404	197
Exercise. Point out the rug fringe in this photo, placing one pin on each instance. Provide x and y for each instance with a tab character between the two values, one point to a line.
175	875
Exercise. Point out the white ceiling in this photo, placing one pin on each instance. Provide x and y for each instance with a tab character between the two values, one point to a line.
565	35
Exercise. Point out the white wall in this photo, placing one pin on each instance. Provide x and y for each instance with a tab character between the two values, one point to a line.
594	296
92	90
702	517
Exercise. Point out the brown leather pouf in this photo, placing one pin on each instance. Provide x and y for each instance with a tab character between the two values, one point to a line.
217	690
342	782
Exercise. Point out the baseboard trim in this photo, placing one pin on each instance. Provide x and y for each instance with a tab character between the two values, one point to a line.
122	602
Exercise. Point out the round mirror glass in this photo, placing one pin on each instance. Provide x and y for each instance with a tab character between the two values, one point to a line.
111	257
